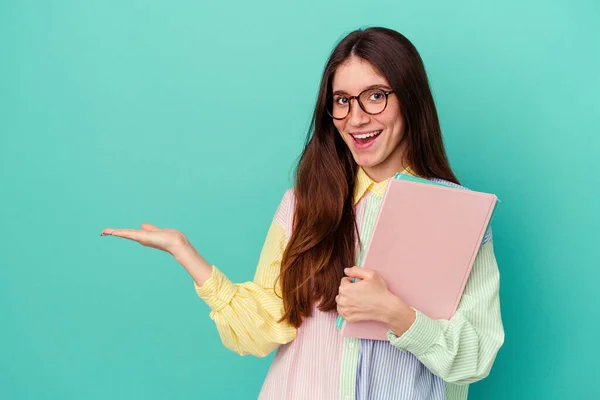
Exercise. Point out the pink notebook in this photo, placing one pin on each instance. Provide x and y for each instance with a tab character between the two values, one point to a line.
424	243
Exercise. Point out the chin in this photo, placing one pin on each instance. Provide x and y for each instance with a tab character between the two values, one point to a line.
367	162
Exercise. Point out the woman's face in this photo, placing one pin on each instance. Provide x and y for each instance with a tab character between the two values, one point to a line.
379	155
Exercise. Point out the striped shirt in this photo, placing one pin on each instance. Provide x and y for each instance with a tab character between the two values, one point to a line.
433	359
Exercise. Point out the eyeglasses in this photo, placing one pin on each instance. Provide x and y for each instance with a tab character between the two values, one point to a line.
372	101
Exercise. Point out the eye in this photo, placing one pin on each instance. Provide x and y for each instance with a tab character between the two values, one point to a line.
340	100
376	96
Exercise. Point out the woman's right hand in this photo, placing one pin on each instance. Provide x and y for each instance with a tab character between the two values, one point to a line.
167	239
173	242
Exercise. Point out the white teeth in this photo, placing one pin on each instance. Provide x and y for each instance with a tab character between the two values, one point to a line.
367	135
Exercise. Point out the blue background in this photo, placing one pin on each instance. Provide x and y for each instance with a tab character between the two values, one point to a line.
192	115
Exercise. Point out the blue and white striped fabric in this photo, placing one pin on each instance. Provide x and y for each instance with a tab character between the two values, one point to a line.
386	373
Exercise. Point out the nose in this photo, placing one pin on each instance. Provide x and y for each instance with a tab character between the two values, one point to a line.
357	115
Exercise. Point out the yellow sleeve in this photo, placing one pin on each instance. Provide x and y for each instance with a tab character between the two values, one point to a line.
246	314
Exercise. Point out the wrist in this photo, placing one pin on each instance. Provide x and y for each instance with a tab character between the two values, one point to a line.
194	263
391	308
183	251
398	316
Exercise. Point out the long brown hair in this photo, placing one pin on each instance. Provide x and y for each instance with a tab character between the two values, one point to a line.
324	230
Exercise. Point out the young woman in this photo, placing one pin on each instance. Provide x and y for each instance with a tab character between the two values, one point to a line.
374	116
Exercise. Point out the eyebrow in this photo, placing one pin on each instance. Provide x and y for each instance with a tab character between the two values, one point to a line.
377	86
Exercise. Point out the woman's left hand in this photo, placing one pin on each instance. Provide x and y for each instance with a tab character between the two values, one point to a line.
364	299
368	299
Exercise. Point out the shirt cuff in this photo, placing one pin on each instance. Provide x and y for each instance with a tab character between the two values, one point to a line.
419	338
217	291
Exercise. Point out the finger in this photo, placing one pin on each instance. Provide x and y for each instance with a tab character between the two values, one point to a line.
360	273
131	234
345	280
149	227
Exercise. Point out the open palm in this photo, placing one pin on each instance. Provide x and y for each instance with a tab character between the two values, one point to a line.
165	239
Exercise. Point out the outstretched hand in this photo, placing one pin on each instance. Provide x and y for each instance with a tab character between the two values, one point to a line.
166	239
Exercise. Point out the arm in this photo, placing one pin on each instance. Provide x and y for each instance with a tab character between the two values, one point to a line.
463	349
246	314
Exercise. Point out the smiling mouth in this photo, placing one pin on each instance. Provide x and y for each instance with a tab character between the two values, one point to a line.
365	139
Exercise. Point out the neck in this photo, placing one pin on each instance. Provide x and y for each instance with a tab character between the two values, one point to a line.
396	162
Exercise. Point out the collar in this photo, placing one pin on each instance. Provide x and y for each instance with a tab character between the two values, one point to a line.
364	184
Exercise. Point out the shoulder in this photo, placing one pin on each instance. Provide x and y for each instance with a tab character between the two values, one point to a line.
288	200
285	211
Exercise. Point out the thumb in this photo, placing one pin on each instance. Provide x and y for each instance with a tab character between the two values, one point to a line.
357	272
149	227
